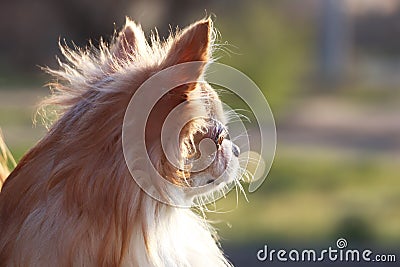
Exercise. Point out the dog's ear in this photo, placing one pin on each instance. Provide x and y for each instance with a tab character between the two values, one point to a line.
192	44
130	40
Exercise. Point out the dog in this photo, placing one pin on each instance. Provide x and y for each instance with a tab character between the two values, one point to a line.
72	199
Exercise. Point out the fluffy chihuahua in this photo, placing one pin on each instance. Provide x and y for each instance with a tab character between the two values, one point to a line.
72	200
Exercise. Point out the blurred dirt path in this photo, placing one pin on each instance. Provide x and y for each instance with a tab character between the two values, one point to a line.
337	123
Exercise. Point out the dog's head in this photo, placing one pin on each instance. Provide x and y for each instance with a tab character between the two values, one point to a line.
185	133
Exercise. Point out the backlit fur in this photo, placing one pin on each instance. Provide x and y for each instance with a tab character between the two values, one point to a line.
71	200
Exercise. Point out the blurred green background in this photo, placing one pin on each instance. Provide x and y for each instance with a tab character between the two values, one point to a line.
330	70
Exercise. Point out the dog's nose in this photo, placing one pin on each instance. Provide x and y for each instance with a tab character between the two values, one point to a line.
235	150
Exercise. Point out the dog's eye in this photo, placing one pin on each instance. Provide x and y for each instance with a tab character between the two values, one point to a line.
220	137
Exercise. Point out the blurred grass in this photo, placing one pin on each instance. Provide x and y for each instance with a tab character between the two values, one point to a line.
14	116
17	111
319	198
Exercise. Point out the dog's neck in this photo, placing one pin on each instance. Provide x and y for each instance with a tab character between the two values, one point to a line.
172	236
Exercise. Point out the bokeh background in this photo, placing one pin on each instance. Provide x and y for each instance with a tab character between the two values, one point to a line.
330	70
